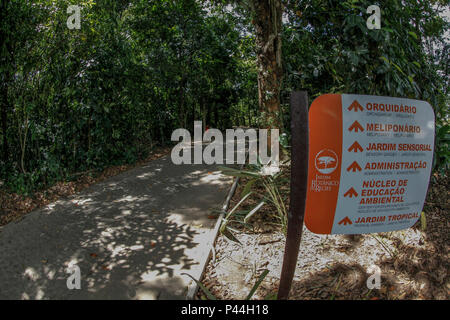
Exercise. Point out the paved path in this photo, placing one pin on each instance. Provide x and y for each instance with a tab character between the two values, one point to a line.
131	236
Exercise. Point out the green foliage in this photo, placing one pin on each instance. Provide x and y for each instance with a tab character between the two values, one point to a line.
76	100
423	221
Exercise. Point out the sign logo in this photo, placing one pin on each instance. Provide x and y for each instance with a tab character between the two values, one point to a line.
326	161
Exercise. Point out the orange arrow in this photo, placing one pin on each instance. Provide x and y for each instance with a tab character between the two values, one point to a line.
355	147
354	166
350	193
345	221
356	126
355	106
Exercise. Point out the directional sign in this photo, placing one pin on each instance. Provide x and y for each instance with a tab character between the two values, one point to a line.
370	161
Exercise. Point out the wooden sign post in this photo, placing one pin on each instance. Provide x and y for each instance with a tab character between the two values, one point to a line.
299	175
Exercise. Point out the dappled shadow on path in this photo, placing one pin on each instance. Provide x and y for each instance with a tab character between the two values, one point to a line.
131	236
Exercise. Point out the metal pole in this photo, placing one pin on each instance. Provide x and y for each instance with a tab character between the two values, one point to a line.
299	175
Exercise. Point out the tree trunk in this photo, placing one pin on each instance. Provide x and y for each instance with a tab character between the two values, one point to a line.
268	25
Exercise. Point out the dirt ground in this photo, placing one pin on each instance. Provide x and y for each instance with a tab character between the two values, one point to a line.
414	262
